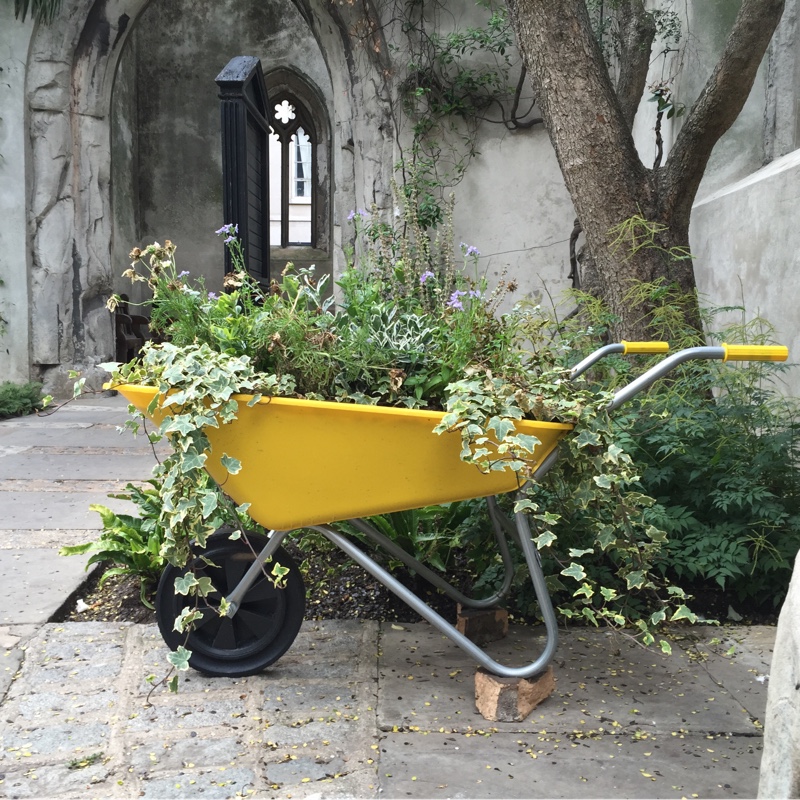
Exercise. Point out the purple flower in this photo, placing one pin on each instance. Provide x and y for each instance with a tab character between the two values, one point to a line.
229	230
455	300
475	293
183	274
213	296
351	216
424	277
469	250
229	239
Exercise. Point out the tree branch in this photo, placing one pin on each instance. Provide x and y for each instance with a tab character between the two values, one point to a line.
637	32
720	102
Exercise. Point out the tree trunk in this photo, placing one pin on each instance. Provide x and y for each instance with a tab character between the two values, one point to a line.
636	220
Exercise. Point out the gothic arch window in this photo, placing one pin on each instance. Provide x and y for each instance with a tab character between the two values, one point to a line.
292	148
299	170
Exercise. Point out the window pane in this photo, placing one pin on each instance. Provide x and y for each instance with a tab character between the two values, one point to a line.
274	189
300	188
301	150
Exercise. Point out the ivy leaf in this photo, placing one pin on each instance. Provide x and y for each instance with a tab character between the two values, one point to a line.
574	571
575	553
608	593
545	540
192	461
526	442
184	583
180	658
606	539
635	580
590	615
683	612
501	427
586	438
603	481
666	647
656	535
186	618
658	616
181	424
209	502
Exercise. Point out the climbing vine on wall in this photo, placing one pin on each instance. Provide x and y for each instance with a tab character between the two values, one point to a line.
447	80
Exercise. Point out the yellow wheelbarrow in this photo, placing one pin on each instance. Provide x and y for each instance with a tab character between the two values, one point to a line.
307	464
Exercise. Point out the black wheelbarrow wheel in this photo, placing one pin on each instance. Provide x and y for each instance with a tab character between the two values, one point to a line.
263	628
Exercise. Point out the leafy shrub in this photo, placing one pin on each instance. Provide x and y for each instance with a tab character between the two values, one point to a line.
725	473
19	399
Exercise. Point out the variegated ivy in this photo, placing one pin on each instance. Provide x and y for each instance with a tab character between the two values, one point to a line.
601	482
195	392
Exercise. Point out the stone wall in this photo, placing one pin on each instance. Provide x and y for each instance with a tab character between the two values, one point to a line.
780	763
82	178
14	258
746	243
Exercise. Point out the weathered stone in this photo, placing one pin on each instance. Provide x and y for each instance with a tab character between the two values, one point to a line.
780	764
511	699
482	625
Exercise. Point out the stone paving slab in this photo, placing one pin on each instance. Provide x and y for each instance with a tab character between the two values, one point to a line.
36	583
603	681
338	716
76	721
60	506
69	434
122	465
114	411
513	765
21	539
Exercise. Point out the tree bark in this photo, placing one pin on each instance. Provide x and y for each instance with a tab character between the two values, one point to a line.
589	125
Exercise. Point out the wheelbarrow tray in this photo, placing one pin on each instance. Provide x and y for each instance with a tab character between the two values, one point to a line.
308	462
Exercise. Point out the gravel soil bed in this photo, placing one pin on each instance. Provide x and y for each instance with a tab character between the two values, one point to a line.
343	590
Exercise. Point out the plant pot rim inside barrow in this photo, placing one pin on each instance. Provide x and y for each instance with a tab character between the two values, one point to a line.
311	462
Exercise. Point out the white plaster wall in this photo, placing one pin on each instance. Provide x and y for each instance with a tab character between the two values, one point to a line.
746	243
513	206
14	341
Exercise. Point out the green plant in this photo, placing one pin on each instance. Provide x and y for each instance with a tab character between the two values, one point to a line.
131	544
19	399
44	11
726	473
412	330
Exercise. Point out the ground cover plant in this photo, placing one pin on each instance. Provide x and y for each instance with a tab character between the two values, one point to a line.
19	399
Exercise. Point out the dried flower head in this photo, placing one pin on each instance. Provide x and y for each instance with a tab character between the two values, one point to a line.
233	280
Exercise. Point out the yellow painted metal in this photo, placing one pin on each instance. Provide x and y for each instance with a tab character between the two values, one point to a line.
755	352
644	347
308	463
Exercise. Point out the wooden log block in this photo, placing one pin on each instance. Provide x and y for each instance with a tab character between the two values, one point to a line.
511	699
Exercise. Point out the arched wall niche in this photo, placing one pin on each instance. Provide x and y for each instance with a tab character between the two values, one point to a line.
281	83
69	83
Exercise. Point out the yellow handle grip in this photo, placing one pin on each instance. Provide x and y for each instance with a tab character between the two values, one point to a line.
644	347
755	352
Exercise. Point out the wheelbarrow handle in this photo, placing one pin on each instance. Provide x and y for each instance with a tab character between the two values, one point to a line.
623	347
725	352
